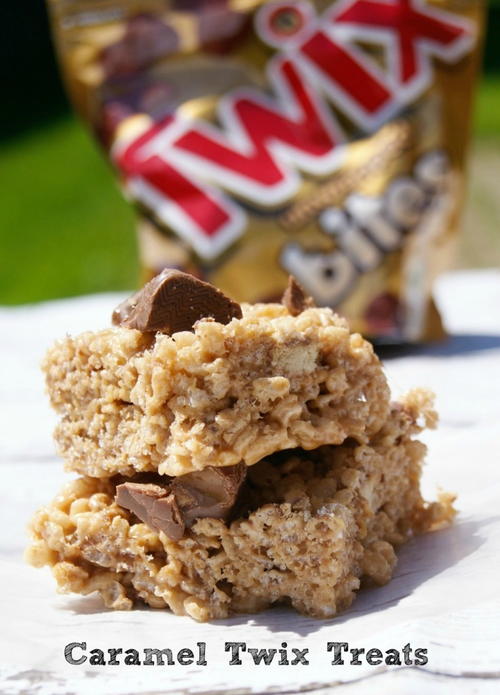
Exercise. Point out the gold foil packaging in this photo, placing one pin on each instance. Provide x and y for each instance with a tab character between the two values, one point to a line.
261	139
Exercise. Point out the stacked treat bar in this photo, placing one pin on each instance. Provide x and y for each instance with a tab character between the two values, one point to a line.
231	457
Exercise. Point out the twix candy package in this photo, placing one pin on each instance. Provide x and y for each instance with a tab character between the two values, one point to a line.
320	138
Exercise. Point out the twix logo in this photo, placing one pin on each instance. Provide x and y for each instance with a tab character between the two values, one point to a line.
191	171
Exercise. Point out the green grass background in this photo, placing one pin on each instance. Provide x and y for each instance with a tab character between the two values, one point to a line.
64	227
66	230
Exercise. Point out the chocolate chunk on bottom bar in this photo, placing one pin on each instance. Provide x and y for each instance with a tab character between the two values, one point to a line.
307	529
172	504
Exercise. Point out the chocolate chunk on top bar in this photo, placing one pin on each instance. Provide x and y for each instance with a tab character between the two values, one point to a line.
295	299
174	301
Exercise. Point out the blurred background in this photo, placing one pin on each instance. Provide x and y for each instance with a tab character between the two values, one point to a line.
64	227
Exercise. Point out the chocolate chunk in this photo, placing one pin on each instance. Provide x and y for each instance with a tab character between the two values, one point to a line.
166	517
295	299
211	493
208	493
154	505
173	301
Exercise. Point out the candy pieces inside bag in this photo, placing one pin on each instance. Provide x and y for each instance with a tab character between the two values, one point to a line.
261	139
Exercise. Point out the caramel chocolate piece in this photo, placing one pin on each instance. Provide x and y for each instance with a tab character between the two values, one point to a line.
154	505
295	299
208	493
173	301
211	492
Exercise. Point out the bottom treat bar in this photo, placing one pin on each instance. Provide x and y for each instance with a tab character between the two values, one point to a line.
306	529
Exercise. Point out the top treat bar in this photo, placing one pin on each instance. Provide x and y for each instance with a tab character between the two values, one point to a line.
237	387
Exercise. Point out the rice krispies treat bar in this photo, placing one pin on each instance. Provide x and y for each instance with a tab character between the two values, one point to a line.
310	527
132	401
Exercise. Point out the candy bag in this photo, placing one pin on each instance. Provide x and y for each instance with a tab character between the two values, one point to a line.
260	139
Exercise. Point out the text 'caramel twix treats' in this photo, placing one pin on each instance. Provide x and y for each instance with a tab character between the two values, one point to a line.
231	457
